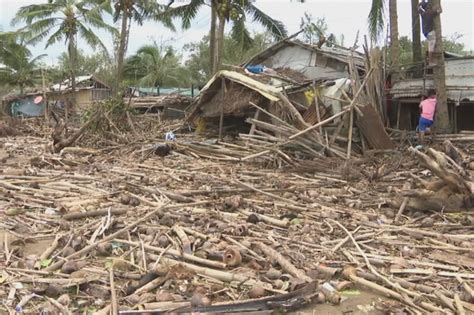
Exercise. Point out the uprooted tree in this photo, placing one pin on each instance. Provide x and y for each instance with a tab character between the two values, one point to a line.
453	189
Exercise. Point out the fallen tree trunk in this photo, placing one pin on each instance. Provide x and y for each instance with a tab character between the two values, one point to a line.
60	143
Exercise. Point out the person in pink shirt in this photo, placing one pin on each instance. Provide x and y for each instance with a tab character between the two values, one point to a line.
427	110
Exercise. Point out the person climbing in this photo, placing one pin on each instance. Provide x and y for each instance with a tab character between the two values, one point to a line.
428	11
427	110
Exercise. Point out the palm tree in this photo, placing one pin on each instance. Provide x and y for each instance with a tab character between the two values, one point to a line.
19	67
64	20
376	21
442	115
137	11
416	37
155	65
225	11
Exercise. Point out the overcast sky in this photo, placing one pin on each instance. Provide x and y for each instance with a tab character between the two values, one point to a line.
343	17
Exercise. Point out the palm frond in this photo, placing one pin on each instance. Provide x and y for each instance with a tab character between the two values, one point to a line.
56	36
152	51
96	5
185	12
37	31
138	14
240	33
33	12
90	37
95	19
275	27
34	60
376	19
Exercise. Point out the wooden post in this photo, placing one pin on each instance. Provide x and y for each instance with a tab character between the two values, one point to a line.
362	141
253	127
349	142
221	118
46	107
399	109
455	118
318	115
336	132
66	114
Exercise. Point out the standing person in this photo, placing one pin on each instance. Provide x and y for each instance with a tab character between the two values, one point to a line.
427	110
428	12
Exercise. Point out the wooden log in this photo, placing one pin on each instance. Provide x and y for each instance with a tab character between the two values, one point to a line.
89	214
185	242
113	294
466	288
283	262
90	247
176	253
213	273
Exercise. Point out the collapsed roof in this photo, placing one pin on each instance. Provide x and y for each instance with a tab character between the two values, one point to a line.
245	89
83	82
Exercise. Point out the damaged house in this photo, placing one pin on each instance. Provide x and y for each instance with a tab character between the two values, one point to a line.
407	93
313	62
89	89
302	86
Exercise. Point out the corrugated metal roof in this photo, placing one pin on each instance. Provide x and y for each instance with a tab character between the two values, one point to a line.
66	84
341	54
459	82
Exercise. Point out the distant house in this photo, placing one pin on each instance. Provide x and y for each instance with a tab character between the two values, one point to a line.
407	93
88	90
316	63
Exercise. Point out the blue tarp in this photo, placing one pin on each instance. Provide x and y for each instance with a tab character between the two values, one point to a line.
26	107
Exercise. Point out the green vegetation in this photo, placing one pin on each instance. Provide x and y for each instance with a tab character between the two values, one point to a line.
224	11
155	65
20	69
70	21
64	20
199	65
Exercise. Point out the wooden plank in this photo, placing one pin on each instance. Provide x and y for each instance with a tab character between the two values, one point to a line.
373	130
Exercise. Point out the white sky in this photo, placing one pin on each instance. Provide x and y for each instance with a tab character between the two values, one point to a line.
342	16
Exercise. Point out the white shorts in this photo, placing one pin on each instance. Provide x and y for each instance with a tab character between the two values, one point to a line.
431	41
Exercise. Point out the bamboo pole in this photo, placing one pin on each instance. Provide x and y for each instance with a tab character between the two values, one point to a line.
90	247
221	118
351	126
318	115
302	132
46	107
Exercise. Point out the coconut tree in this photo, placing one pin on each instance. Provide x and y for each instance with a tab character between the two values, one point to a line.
19	68
64	20
442	115
224	12
128	11
416	37
376	22
155	65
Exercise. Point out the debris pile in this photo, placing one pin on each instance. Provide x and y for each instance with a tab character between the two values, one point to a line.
112	230
292	114
297	197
